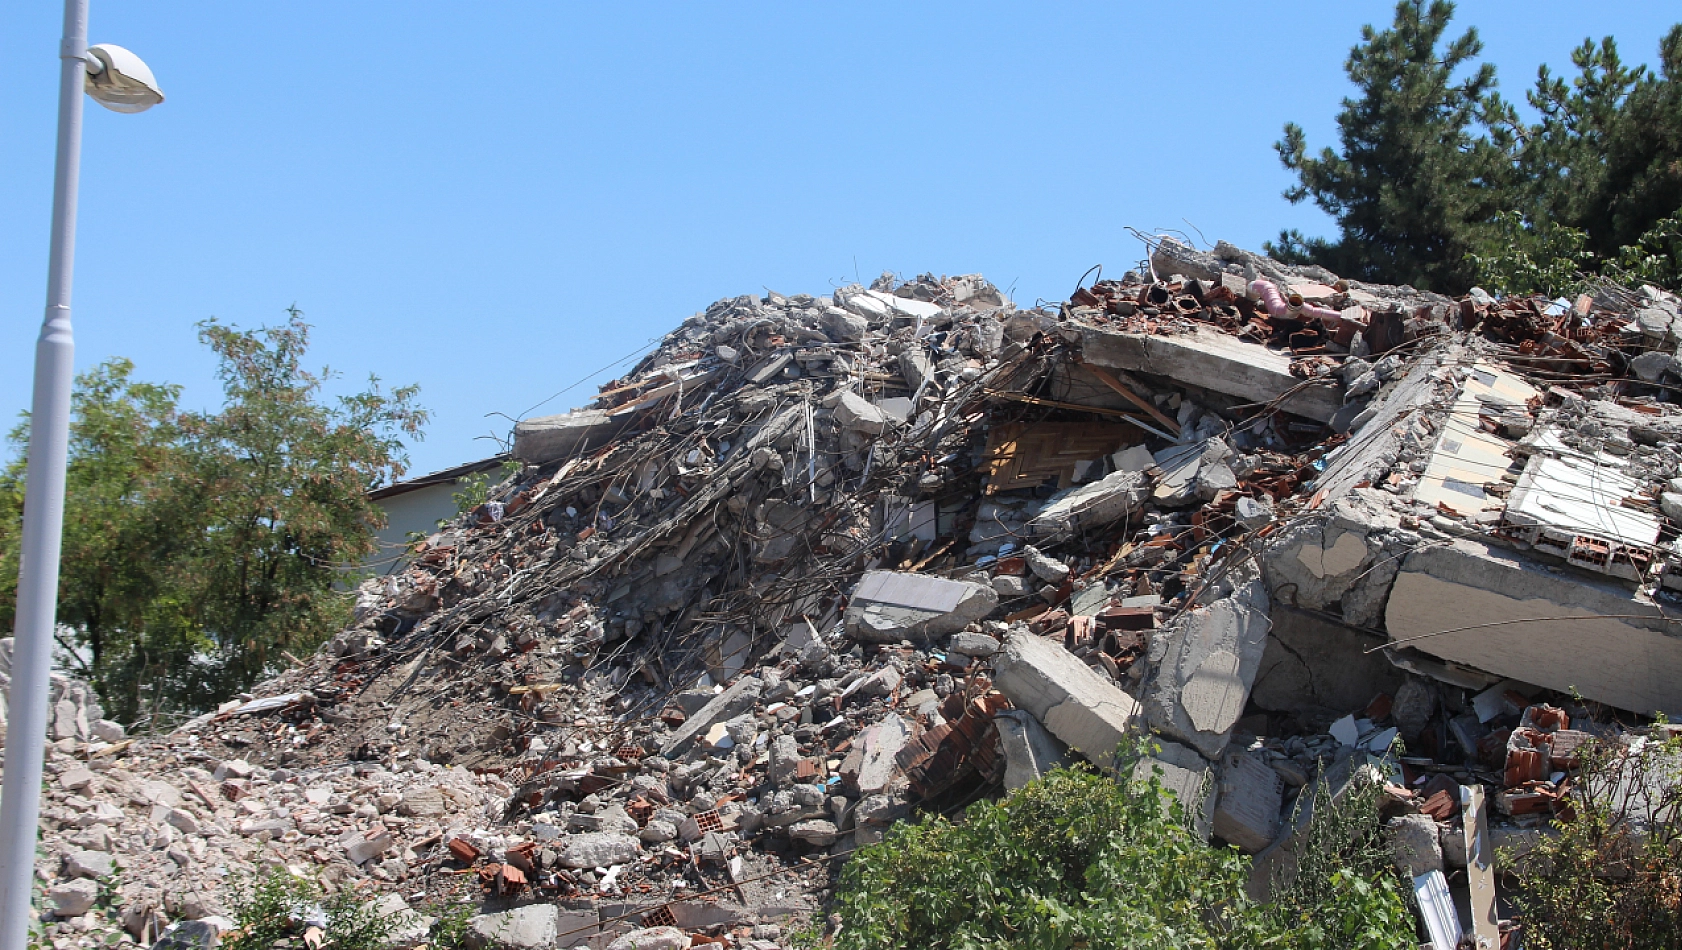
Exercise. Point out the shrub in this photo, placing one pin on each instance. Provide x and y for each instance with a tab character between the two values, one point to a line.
279	909
1611	876
1077	859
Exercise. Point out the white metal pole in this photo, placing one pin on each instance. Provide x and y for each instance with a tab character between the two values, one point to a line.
43	510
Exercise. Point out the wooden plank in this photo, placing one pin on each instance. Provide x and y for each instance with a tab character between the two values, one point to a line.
1480	875
1116	384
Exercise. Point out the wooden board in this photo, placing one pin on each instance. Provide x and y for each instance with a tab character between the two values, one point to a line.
1025	455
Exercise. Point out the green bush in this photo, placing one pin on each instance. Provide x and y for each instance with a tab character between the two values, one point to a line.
1079	860
1610	878
275	912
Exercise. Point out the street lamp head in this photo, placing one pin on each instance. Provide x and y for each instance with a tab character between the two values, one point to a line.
119	81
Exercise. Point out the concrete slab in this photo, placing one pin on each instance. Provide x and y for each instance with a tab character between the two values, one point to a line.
547	438
1490	608
1214	361
1092	505
1075	704
1247	811
739	698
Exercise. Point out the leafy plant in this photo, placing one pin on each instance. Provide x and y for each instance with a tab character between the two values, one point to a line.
277	911
1610	877
1078	859
199	547
475	489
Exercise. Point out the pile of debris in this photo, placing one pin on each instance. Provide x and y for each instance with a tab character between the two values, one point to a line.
819	563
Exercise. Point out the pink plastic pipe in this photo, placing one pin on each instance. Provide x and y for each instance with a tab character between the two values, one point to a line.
1278	306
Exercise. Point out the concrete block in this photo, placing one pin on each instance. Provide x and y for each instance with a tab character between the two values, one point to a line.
547	438
1247	811
1085	710
1414	840
1030	751
889	606
532	927
734	701
881	744
1205	662
1186	775
860	415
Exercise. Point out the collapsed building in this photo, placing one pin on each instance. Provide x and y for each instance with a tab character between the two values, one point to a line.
818	563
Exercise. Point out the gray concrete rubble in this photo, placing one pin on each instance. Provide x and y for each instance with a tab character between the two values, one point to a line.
819	563
1089	713
1030	751
888	606
1205	663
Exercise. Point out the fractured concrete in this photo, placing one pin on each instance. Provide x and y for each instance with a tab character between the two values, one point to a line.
889	606
547	438
1087	711
1205	662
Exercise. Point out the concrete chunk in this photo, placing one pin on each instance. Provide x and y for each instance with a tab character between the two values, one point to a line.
547	438
889	606
1475	592
881	744
1092	505
1030	751
1214	360
857	413
1206	661
1251	792
532	927
1085	710
726	705
597	849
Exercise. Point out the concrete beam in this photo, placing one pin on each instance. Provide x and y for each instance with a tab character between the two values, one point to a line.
1215	361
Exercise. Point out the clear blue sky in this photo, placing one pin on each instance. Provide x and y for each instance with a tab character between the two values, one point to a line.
494	199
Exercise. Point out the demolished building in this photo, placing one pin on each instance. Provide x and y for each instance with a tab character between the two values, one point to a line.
819	562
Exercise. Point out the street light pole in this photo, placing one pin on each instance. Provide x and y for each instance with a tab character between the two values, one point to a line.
118	80
43	509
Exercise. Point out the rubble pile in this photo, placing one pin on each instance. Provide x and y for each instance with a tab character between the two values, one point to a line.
819	563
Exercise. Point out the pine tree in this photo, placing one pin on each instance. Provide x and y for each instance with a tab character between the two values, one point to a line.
1421	173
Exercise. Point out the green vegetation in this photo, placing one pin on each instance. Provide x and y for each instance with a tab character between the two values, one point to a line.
1611	876
1077	859
199	547
1441	183
278	910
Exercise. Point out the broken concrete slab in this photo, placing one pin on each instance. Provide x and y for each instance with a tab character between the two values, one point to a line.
1343	558
860	415
547	438
1087	711
1247	809
1205	661
1490	608
1216	361
881	744
1311	661
532	927
1185	774
1091	505
734	701
890	606
1030	751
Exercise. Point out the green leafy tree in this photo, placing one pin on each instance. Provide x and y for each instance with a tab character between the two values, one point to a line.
201	546
1420	172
